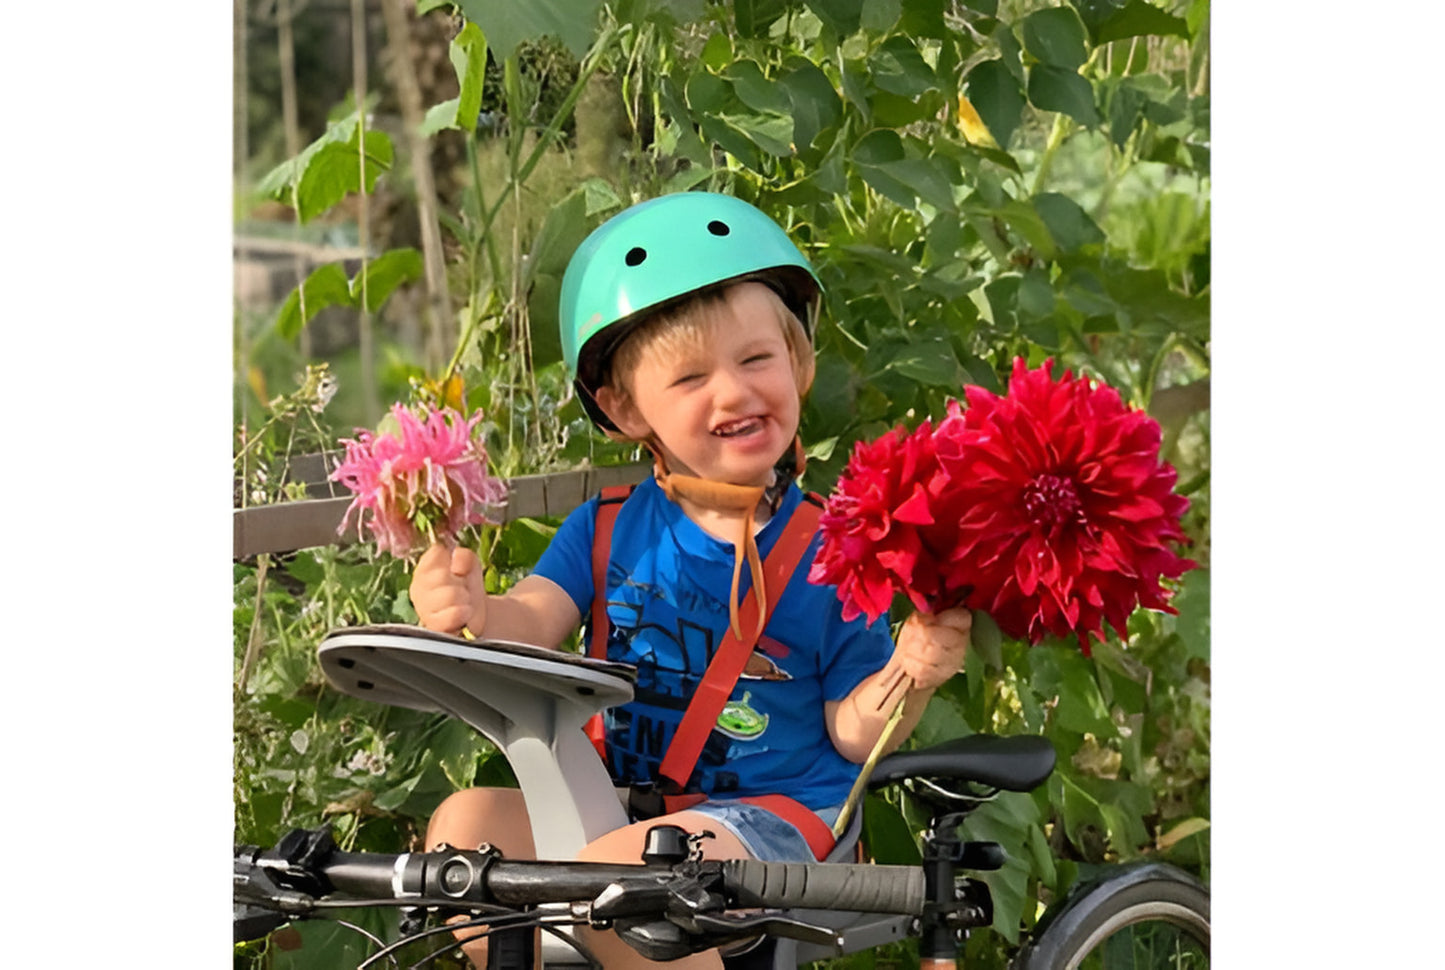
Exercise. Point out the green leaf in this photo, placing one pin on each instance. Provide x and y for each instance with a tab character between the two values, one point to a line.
1064	90
326	286
889	110
881	159
898	68
468	52
439	117
739	144
566	225
1192	623
772	133
941	722
929	361
887	834
877	16
1123	107
1064	673
1196	16
852	76
997	98
707	93
335	172
925	18
755	90
717	53
986	640
754	17
600	198
395	796
1109	20
1041	856
1036	295
1056	36
456	747
815	105
1006	820
1149	301
1025	220
840	16
1070	226
384	274
506	25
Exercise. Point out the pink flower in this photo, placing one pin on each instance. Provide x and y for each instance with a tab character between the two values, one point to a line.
422	486
1047	508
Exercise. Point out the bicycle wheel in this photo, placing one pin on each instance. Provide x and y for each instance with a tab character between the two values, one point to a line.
1148	917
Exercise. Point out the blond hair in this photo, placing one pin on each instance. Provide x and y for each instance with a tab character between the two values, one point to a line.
684	327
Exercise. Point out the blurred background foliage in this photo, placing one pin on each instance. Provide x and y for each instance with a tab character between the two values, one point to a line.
973	182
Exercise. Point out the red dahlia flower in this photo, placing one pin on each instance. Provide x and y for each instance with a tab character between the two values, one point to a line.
874	524
1047	508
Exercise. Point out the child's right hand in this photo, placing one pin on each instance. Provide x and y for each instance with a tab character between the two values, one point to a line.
447	591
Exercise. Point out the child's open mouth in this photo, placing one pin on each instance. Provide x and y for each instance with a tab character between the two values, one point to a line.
733	429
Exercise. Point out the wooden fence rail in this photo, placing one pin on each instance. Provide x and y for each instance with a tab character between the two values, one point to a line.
313	521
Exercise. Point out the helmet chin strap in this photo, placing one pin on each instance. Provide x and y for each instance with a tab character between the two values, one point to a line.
740	500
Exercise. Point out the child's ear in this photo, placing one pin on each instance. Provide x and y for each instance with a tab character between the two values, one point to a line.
804	370
619	407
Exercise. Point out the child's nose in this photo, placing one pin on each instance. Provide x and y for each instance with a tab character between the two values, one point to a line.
729	385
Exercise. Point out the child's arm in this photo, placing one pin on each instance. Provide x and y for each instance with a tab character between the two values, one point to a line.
930	650
448	594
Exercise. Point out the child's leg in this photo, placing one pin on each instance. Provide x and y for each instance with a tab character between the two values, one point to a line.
468	818
625	845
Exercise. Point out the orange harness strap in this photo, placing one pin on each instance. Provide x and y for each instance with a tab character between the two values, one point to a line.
608	506
722	674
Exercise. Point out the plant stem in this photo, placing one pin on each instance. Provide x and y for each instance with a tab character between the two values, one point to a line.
409	95
855	796
370	403
253	640
286	54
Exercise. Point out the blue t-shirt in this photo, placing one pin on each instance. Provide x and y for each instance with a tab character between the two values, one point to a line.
668	584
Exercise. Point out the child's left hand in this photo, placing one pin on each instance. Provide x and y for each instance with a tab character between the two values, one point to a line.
931	646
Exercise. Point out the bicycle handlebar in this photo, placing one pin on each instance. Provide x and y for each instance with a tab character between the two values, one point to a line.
306	872
834	885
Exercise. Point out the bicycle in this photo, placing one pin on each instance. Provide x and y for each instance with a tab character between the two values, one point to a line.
533	704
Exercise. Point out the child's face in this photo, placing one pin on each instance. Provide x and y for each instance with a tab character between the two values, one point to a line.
725	408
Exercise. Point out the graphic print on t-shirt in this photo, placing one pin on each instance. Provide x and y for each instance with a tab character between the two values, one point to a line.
671	652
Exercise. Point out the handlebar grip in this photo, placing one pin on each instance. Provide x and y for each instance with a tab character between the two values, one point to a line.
834	885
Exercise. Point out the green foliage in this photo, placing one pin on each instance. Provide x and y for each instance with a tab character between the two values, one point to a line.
1077	229
330	168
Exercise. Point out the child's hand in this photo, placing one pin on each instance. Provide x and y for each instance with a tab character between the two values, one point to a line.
931	646
447	591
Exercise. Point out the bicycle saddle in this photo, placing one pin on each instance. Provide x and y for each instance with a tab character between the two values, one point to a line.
1015	763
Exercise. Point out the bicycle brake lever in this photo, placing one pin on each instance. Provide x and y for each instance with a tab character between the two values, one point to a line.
770	924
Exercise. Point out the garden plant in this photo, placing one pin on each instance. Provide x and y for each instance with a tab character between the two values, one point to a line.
983	187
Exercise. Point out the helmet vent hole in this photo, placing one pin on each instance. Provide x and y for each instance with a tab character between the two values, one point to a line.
635	256
718	228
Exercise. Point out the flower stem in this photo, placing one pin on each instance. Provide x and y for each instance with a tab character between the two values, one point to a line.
856	795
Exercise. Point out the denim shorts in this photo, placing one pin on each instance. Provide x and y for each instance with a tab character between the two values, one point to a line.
766	835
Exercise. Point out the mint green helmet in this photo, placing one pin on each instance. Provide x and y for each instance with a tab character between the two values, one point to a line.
658	252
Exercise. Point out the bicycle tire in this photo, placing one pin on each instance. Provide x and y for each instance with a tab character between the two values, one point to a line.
1149	899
